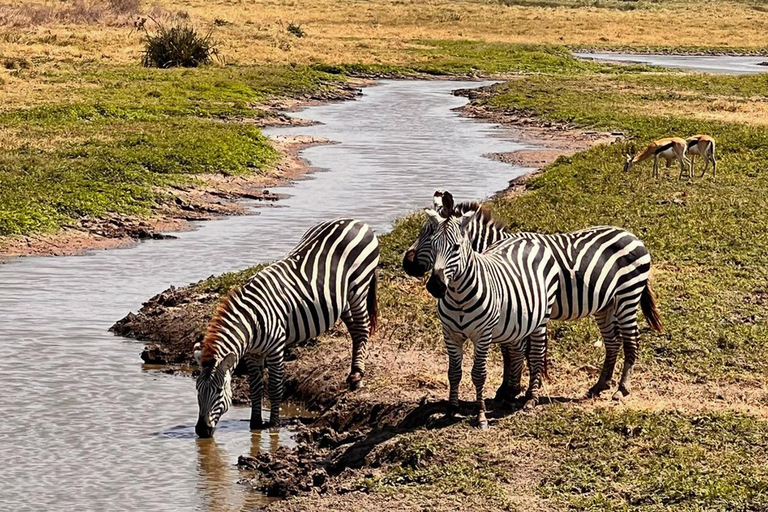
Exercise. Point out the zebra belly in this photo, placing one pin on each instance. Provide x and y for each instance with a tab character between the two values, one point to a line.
310	319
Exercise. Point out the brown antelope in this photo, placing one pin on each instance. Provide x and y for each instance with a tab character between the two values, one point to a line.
703	146
670	149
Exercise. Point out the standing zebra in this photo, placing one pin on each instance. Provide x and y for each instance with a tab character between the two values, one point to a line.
604	272
504	295
329	275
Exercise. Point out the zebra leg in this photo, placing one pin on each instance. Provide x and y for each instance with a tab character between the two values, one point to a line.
455	357
606	321
275	367
630	335
537	355
479	374
358	324
513	372
256	388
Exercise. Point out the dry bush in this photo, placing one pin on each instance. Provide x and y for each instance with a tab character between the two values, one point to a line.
178	45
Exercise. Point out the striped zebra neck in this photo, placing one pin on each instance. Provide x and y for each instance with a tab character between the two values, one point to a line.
466	279
237	322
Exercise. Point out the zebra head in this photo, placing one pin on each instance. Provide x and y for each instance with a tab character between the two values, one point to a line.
450	250
214	392
418	258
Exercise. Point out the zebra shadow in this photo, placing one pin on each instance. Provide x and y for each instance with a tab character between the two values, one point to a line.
429	415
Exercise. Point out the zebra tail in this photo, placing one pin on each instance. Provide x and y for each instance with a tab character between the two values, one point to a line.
650	308
372	305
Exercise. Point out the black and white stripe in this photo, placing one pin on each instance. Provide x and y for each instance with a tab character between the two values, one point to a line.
603	271
329	275
504	295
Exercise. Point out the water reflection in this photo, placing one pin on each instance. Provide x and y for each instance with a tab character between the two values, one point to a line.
218	484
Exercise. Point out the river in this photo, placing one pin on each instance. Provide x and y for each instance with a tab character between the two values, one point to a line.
727	64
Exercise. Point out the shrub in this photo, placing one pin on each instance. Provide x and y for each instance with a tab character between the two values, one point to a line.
16	63
178	46
295	29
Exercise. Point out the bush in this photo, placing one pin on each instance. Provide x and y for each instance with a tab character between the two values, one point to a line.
178	46
295	29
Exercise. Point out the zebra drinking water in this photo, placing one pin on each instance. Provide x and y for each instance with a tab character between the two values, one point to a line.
504	295
604	272
329	275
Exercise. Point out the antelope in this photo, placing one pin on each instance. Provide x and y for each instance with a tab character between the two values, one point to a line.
672	148
704	146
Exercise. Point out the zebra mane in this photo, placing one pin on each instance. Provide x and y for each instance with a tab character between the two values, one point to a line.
484	215
217	324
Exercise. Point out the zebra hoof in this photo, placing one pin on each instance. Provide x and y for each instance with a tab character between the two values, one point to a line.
257	425
355	381
594	391
530	404
452	411
483	425
620	394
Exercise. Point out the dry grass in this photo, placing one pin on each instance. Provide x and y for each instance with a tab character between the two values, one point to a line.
55	36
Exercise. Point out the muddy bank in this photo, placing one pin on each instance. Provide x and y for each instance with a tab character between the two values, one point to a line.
213	195
553	140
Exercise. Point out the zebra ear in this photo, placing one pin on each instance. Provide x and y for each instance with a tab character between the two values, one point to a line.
198	353
228	363
467	218
434	217
437	200
447	203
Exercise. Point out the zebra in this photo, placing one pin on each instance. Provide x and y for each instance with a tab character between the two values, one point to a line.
504	295
604	272
330	274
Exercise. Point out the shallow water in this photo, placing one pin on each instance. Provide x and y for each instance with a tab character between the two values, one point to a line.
84	427
732	65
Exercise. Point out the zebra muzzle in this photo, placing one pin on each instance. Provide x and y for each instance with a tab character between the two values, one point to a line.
436	286
203	430
411	265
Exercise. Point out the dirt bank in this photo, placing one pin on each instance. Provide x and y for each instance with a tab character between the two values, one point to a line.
551	139
212	196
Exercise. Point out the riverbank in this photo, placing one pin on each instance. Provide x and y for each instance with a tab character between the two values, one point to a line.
174	204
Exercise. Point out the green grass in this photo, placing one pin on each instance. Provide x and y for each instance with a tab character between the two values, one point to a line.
42	189
708	235
473	58
644	461
602	460
120	133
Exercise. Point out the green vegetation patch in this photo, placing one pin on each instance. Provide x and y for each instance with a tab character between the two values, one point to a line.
119	133
645	461
42	189
705	236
